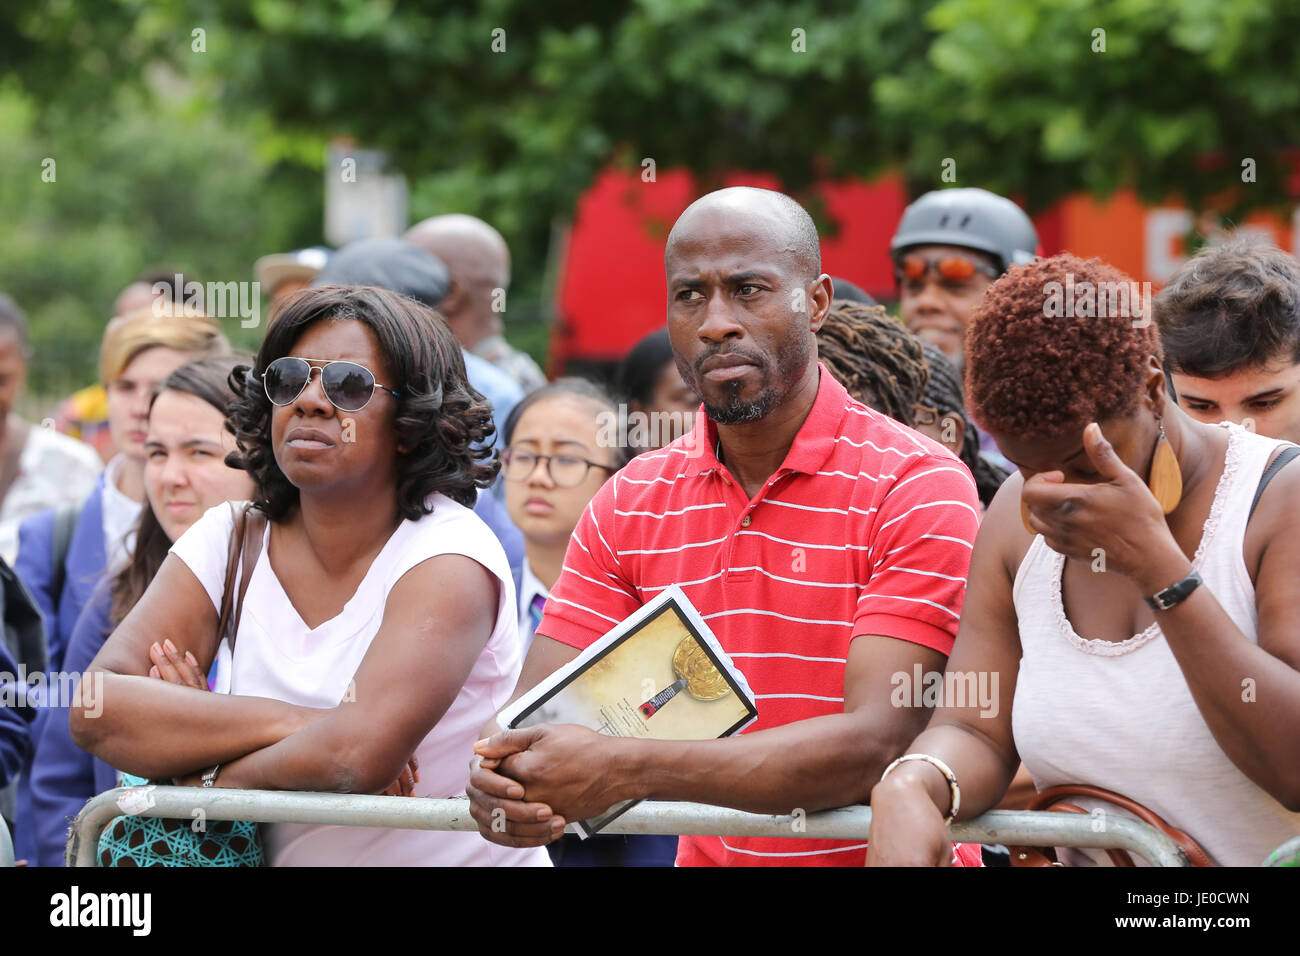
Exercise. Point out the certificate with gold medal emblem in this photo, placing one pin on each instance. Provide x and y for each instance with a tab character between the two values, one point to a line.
659	674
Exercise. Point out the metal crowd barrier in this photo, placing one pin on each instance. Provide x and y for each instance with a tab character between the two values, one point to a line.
1288	854
1022	827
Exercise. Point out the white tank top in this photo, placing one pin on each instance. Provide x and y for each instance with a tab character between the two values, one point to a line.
278	656
1121	716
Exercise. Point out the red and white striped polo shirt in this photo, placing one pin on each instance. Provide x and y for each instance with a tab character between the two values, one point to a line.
865	529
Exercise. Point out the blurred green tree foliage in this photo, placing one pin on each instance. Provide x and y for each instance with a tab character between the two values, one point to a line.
86	207
507	108
511	106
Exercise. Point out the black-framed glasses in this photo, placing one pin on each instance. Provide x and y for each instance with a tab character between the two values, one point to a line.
566	471
347	385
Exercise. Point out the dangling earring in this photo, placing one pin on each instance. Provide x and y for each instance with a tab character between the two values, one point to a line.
1024	517
1166	479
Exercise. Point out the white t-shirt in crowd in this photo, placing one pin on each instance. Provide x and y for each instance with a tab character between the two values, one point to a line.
530	586
53	470
121	514
278	656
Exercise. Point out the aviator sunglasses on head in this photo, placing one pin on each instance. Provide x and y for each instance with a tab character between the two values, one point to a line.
347	385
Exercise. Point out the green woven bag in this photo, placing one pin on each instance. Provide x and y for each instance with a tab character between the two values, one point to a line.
165	841
132	840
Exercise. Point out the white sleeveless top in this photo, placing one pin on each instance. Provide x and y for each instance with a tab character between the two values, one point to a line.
278	656
1120	715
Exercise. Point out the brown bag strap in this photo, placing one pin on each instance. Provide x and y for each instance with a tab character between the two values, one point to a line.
241	554
254	528
1053	797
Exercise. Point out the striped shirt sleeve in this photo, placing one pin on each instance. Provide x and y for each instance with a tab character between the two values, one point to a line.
593	593
920	556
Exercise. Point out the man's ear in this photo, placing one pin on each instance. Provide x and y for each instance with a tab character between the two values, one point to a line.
455	301
819	302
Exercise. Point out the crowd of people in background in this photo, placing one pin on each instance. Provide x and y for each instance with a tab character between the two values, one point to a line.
430	528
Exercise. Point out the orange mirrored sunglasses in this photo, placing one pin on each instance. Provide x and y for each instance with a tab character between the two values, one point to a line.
950	268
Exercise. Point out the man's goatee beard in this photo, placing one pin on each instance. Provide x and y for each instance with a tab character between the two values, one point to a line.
736	412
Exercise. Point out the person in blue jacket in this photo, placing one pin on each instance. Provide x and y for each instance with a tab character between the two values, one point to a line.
15	731
185	475
15	735
137	353
63	777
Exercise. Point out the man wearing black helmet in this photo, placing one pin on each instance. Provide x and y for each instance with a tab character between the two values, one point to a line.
950	246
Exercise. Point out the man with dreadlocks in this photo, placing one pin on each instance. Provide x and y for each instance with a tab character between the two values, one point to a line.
875	358
891	370
944	418
886	367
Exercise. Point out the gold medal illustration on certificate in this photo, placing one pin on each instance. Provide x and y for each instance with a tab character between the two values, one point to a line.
696	675
664	644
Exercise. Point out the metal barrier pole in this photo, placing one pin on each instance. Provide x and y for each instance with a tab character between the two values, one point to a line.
422	813
6	845
1288	854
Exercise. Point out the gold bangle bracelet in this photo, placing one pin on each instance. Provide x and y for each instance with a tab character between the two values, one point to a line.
954	792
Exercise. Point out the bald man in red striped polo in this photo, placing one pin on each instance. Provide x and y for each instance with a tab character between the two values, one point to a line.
826	545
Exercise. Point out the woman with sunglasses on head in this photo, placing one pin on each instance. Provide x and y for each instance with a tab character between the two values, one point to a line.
185	474
1131	588
378	631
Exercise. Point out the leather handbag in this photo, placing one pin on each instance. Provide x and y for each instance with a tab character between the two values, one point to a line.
132	840
1053	799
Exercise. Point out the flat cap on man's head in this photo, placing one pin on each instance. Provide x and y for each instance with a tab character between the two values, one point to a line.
393	264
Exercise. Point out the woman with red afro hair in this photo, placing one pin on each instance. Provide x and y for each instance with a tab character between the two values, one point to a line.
1130	594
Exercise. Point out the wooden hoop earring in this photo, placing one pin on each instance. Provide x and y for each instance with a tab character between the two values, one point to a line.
1166	478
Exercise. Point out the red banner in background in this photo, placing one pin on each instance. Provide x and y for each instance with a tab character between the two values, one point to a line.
611	291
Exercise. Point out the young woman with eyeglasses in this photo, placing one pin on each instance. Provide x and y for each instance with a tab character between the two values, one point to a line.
555	461
378	632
